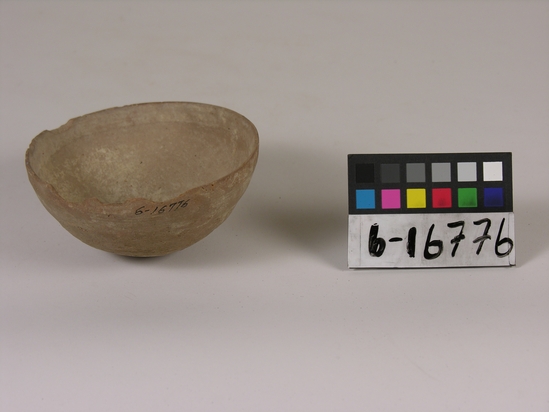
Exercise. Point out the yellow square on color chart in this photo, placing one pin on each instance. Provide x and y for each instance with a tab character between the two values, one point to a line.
415	199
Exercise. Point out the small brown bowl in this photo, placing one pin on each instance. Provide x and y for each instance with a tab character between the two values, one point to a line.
146	179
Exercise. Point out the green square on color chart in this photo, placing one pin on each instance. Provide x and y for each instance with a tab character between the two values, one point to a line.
467	197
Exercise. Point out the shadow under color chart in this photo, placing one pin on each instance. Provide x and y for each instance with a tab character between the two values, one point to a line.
430	210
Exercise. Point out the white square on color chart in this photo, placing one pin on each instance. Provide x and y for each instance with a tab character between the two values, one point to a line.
493	171
467	172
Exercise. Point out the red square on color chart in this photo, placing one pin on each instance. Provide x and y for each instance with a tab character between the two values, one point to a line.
442	198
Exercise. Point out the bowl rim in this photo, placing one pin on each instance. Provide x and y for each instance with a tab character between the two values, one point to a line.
87	202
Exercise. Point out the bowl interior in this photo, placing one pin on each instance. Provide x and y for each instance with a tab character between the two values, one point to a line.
151	151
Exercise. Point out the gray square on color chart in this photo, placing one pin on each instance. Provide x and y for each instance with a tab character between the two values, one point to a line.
415	172
441	172
467	172
390	173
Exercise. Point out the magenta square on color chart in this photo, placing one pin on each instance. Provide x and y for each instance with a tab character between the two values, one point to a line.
390	199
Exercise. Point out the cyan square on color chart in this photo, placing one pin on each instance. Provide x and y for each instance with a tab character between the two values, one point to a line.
365	199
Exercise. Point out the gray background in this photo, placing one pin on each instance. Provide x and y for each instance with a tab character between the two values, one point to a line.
263	315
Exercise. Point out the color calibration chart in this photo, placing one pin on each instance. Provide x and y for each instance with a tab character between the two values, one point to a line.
431	210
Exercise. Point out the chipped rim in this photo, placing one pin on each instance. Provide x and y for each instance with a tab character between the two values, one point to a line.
34	178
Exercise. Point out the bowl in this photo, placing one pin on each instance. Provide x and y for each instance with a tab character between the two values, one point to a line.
146	179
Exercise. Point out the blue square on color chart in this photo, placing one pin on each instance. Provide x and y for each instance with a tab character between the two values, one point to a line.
365	199
493	197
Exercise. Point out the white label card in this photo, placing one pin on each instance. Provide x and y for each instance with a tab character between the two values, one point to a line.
431	240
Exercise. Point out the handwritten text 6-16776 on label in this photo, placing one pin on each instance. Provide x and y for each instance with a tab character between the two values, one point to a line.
158	210
431	240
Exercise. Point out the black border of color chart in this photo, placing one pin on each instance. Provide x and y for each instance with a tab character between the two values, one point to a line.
405	176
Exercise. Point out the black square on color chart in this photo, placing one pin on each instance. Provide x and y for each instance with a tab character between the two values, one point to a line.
365	173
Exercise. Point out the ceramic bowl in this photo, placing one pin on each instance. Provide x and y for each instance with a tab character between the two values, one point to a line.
146	179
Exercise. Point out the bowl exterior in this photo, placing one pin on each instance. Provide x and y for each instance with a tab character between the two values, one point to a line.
140	227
